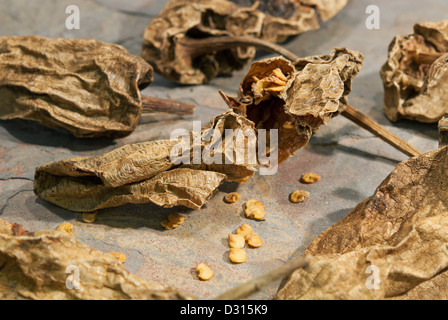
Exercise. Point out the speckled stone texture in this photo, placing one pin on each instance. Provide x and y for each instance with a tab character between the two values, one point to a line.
351	161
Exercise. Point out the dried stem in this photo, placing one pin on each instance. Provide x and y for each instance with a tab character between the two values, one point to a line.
426	57
196	47
257	284
193	48
365	122
155	105
443	132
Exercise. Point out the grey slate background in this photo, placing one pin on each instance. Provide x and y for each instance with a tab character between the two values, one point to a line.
351	161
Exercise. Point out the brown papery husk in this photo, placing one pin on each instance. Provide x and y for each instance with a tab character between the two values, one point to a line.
271	20
401	231
315	92
142	173
88	87
411	92
25	258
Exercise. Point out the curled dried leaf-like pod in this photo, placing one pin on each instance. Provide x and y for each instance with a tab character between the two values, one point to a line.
400	234
271	20
25	257
142	173
87	87
415	85
296	99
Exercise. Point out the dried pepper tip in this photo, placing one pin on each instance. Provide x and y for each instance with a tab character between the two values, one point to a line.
204	272
237	255
310	178
254	240
236	241
232	197
299	196
65	227
244	230
118	255
89	217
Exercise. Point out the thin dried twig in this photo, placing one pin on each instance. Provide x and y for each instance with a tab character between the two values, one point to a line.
257	284
154	105
193	47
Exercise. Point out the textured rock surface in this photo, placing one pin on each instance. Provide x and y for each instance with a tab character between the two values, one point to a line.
352	162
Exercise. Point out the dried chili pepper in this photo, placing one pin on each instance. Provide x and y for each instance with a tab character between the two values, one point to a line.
25	259
414	76
270	20
88	87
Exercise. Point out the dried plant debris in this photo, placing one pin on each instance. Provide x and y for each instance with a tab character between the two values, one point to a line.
296	99
25	259
415	86
391	246
87	87
141	173
271	20
315	89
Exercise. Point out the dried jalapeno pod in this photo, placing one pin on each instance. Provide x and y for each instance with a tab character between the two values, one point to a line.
87	87
182	20
414	76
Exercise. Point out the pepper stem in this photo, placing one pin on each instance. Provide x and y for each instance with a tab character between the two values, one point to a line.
155	105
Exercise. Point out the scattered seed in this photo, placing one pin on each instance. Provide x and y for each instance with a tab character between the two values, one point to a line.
254	210
89	217
237	255
310	178
65	227
204	272
299	196
254	240
232	197
236	241
244	230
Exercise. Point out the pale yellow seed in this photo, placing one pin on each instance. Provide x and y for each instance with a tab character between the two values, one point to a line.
204	272
65	227
118	255
254	240
255	212
236	241
279	74
310	178
176	219
232	197
244	230
299	196
89	217
237	255
253	202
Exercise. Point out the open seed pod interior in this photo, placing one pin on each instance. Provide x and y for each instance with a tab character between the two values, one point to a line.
296	99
